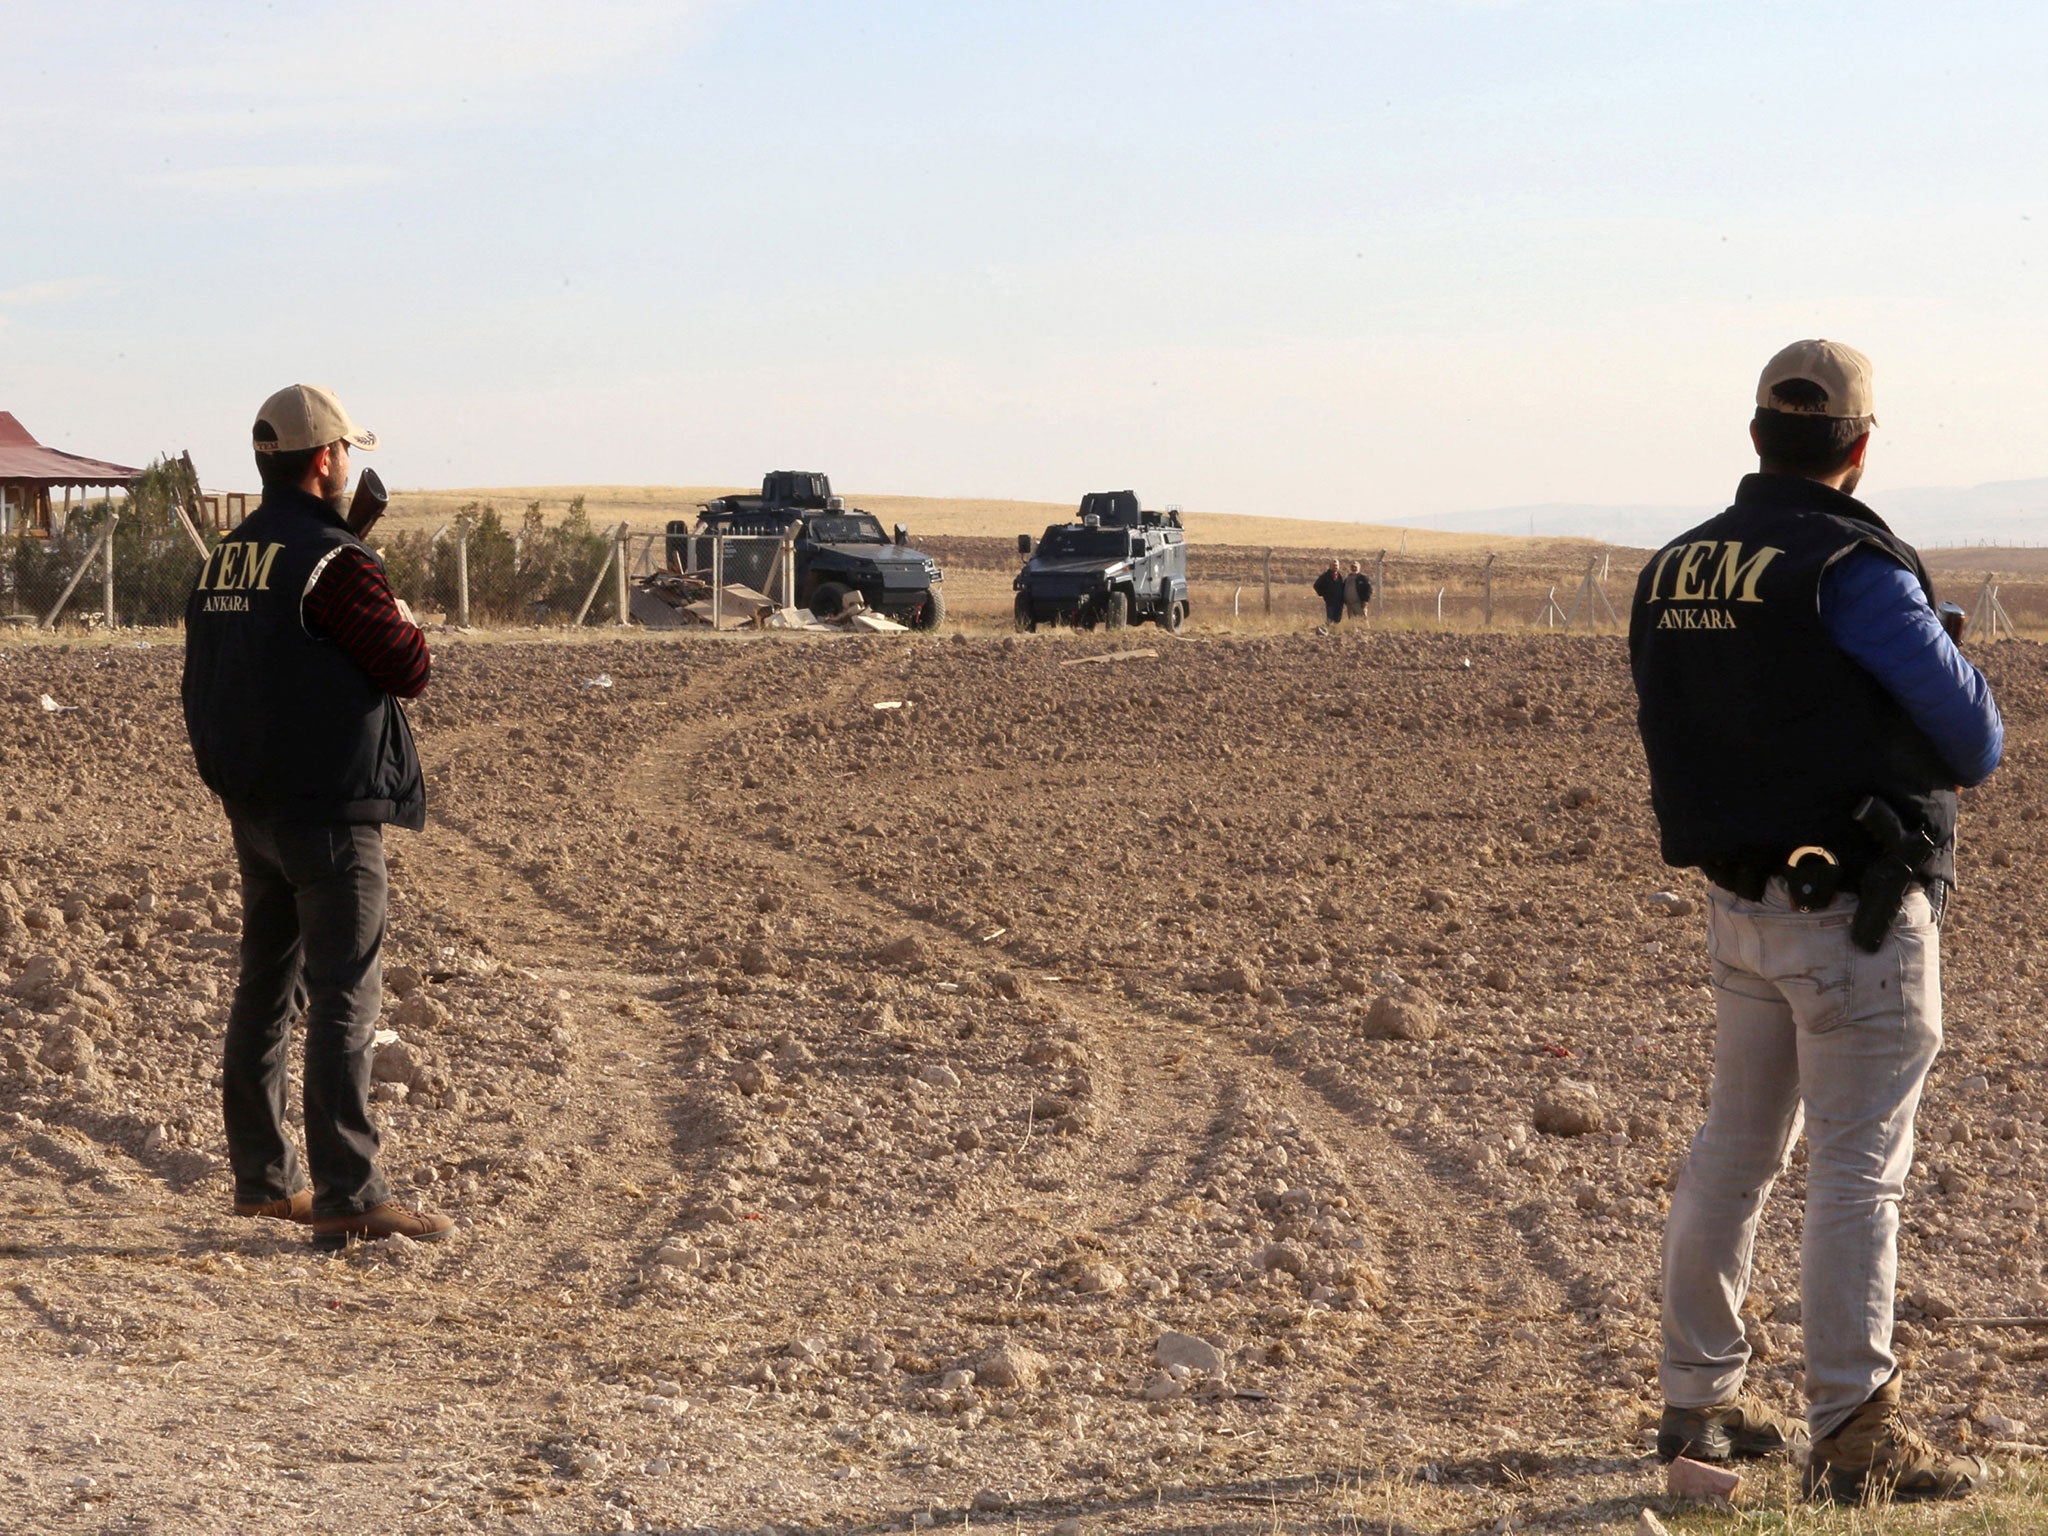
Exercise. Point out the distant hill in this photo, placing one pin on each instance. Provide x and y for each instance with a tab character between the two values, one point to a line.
2003	512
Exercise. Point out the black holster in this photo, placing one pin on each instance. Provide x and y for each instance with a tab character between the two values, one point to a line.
1904	858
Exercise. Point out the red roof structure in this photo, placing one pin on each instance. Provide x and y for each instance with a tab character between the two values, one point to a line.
29	472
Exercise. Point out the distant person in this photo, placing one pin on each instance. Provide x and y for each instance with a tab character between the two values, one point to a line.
1330	588
1790	662
1357	591
296	656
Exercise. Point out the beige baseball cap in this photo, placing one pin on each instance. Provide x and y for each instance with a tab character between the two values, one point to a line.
307	416
1842	374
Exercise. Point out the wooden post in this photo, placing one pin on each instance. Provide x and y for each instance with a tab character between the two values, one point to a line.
107	580
1379	581
597	583
1488	578
1269	581
625	586
462	573
1235	594
71	586
789	570
717	581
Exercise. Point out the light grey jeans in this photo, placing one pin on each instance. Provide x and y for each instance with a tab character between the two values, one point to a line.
1806	1024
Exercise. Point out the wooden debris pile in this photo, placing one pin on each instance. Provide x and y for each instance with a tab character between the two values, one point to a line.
685	599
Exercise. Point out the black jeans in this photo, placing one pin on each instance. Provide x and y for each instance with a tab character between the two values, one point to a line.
312	941
1333	610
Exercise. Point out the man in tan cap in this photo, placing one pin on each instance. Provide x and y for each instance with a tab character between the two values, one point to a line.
1807	719
296	656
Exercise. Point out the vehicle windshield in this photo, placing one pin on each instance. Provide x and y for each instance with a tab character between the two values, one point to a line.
1085	543
856	528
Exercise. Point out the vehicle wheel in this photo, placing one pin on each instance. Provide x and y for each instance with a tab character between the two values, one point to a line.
1117	613
1026	624
1171	615
828	598
931	613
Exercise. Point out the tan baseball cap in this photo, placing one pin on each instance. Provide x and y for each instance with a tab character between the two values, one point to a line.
307	416
1842	374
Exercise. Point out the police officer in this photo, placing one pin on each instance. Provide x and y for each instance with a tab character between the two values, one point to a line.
296	654
1807	719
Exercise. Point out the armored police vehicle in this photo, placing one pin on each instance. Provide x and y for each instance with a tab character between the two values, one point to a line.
840	550
1113	565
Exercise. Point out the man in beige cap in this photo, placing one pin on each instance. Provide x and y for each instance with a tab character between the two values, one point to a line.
296	656
1807	719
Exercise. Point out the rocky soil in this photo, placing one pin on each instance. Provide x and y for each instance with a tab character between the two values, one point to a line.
896	1082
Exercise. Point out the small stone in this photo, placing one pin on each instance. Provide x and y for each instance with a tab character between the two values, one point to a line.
1406	1013
1284	1257
1689	1479
967	1139
956	1381
988	1501
1241	978
401	981
1161	1387
394	1062
936	1074
1569	1110
1067	1527
419	1013
1647	1524
1011	1365
1098	1278
68	1051
1197	1354
903	951
1671	904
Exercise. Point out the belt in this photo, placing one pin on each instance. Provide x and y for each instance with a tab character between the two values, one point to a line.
1747	874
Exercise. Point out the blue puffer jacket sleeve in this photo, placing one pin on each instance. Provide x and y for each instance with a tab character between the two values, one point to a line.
1876	612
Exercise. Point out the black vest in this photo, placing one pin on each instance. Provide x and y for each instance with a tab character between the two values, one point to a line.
1761	733
285	725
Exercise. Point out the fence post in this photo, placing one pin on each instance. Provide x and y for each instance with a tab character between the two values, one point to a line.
624	587
1489	591
596	583
1235	594
1379	580
1269	581
91	555
462	573
1439	607
717	581
107	581
789	570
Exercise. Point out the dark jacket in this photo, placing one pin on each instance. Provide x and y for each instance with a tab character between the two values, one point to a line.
283	724
1761	733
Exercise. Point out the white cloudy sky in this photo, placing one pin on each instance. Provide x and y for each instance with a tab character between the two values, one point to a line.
1356	257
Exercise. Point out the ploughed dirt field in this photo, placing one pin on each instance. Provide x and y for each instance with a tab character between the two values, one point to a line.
887	1082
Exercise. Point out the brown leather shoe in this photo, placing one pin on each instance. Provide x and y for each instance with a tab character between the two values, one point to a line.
296	1206
387	1220
1877	1455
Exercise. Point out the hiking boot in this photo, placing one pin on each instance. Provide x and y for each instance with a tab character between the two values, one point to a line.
387	1220
296	1206
1877	1455
1744	1428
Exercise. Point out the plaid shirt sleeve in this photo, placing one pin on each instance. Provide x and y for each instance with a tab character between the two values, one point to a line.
350	602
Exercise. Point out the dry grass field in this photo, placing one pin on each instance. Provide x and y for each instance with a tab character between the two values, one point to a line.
648	508
1230	1089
